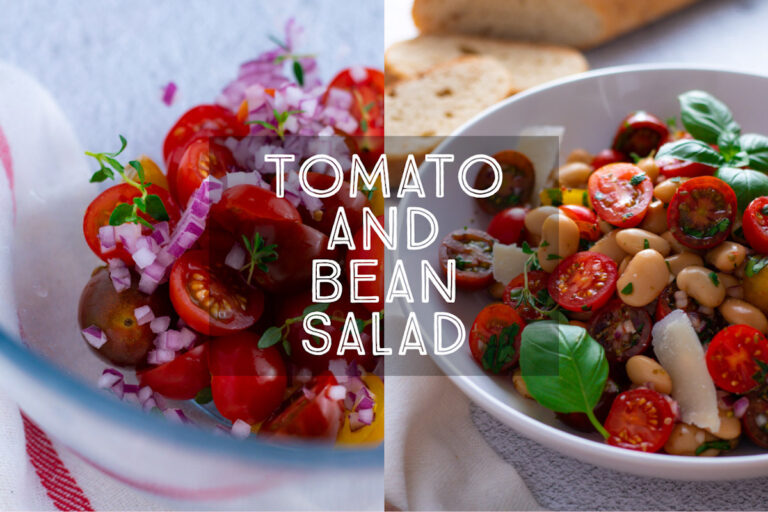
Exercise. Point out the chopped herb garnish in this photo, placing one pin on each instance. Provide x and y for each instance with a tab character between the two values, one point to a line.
713	277
527	248
755	264
500	349
646	244
720	444
636	180
544	244
461	263
277	334
551	257
281	118
627	290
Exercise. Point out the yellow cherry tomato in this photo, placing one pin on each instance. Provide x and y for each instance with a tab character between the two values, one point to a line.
756	290
152	173
373	433
560	196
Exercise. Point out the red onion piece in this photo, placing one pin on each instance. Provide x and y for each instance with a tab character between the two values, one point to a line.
235	257
365	416
119	274
169	92
94	336
160	324
109	378
337	392
740	407
187	337
144	315
241	429
107	238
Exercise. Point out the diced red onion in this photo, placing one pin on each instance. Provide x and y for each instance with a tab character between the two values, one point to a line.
160	356
337	392
131	389
233	179
119	274
740	407
366	402
160	324
235	257
338	367
187	337
109	378
107	238
156	271
339	98
161	233
94	336
365	416
176	415
169	340
148	284
144	315
241	429
128	234
169	92
303	376
144	394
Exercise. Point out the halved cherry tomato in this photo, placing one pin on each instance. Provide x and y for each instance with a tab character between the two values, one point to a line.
247	383
202	158
732	356
537	286
473	251
622	330
640	133
640	419
212	298
702	212
706	326
240	206
620	194
608	156
323	220
755	224
376	252
98	212
580	421
494	339
756	419
517	180
585	219
180	379
508	225
309	412
210	119
584	281
672	168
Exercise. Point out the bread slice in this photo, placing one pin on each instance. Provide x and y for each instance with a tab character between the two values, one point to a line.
528	64
580	23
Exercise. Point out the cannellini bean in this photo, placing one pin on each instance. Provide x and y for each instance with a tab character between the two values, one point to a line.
624	263
728	280
559	239
673	243
580	155
649	167
605	228
685	439
699	283
519	383
730	426
737	311
535	218
665	190
727	256
496	290
608	246
655	219
634	240
644	370
644	279
678	262
574	174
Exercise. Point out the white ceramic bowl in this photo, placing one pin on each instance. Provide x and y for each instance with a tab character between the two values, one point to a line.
589	107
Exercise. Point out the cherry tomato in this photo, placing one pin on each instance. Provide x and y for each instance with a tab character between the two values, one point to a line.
537	286
517	180
640	419
585	219
755	424
373	288
242	205
494	339
202	119
706	326
202	158
212	298
640	133
622	330
755	224
584	281
98	212
323	219
508	225
473	251
580	421
608	156
180	379
620	194
732	356
672	168
702	212
247	383
309	412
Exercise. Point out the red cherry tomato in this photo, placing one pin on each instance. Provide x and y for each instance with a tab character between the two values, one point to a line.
702	212
323	220
201	159
537	285
494	339
672	168
309	413
754	419
732	356
373	288
584	281
608	156
242	205
202	119
180	379
247	383
755	224
622	330
585	219
640	419
517	179
473	251
508	225
640	133
212	298
98	212
620	194
580	421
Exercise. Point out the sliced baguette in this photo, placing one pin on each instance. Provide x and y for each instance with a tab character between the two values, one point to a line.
528	64
580	23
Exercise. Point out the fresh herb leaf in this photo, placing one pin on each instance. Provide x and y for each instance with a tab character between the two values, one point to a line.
315	308
558	316
298	72
635	157
705	117
756	148
720	444
672	123
122	213
636	180
755	264
526	248
713	277
461	263
204	396
646	244
555	196
692	151
544	243
627	290
139	169
271	336
551	257
155	208
500	350
259	255
746	183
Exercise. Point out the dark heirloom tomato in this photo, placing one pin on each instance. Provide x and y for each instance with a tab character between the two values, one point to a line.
517	180
494	339
640	419
672	167
622	330
127	342
702	212
755	223
706	326
585	219
732	358
242	205
537	285
212	298
473	251
201	159
608	156
640	133
323	220
508	225
98	212
309	412
620	194
202	119
180	379
584	281
247	383
756	420
580	421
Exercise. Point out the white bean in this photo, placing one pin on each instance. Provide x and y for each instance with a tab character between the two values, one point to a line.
702	284
678	262
644	370
737	311
608	246
580	155
655	219
535	218
574	174
644	279
559	239
665	190
634	240
727	256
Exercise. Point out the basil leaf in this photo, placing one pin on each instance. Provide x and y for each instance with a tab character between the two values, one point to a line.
729	145
156	208
691	151
705	117
122	213
271	336
746	183
756	148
